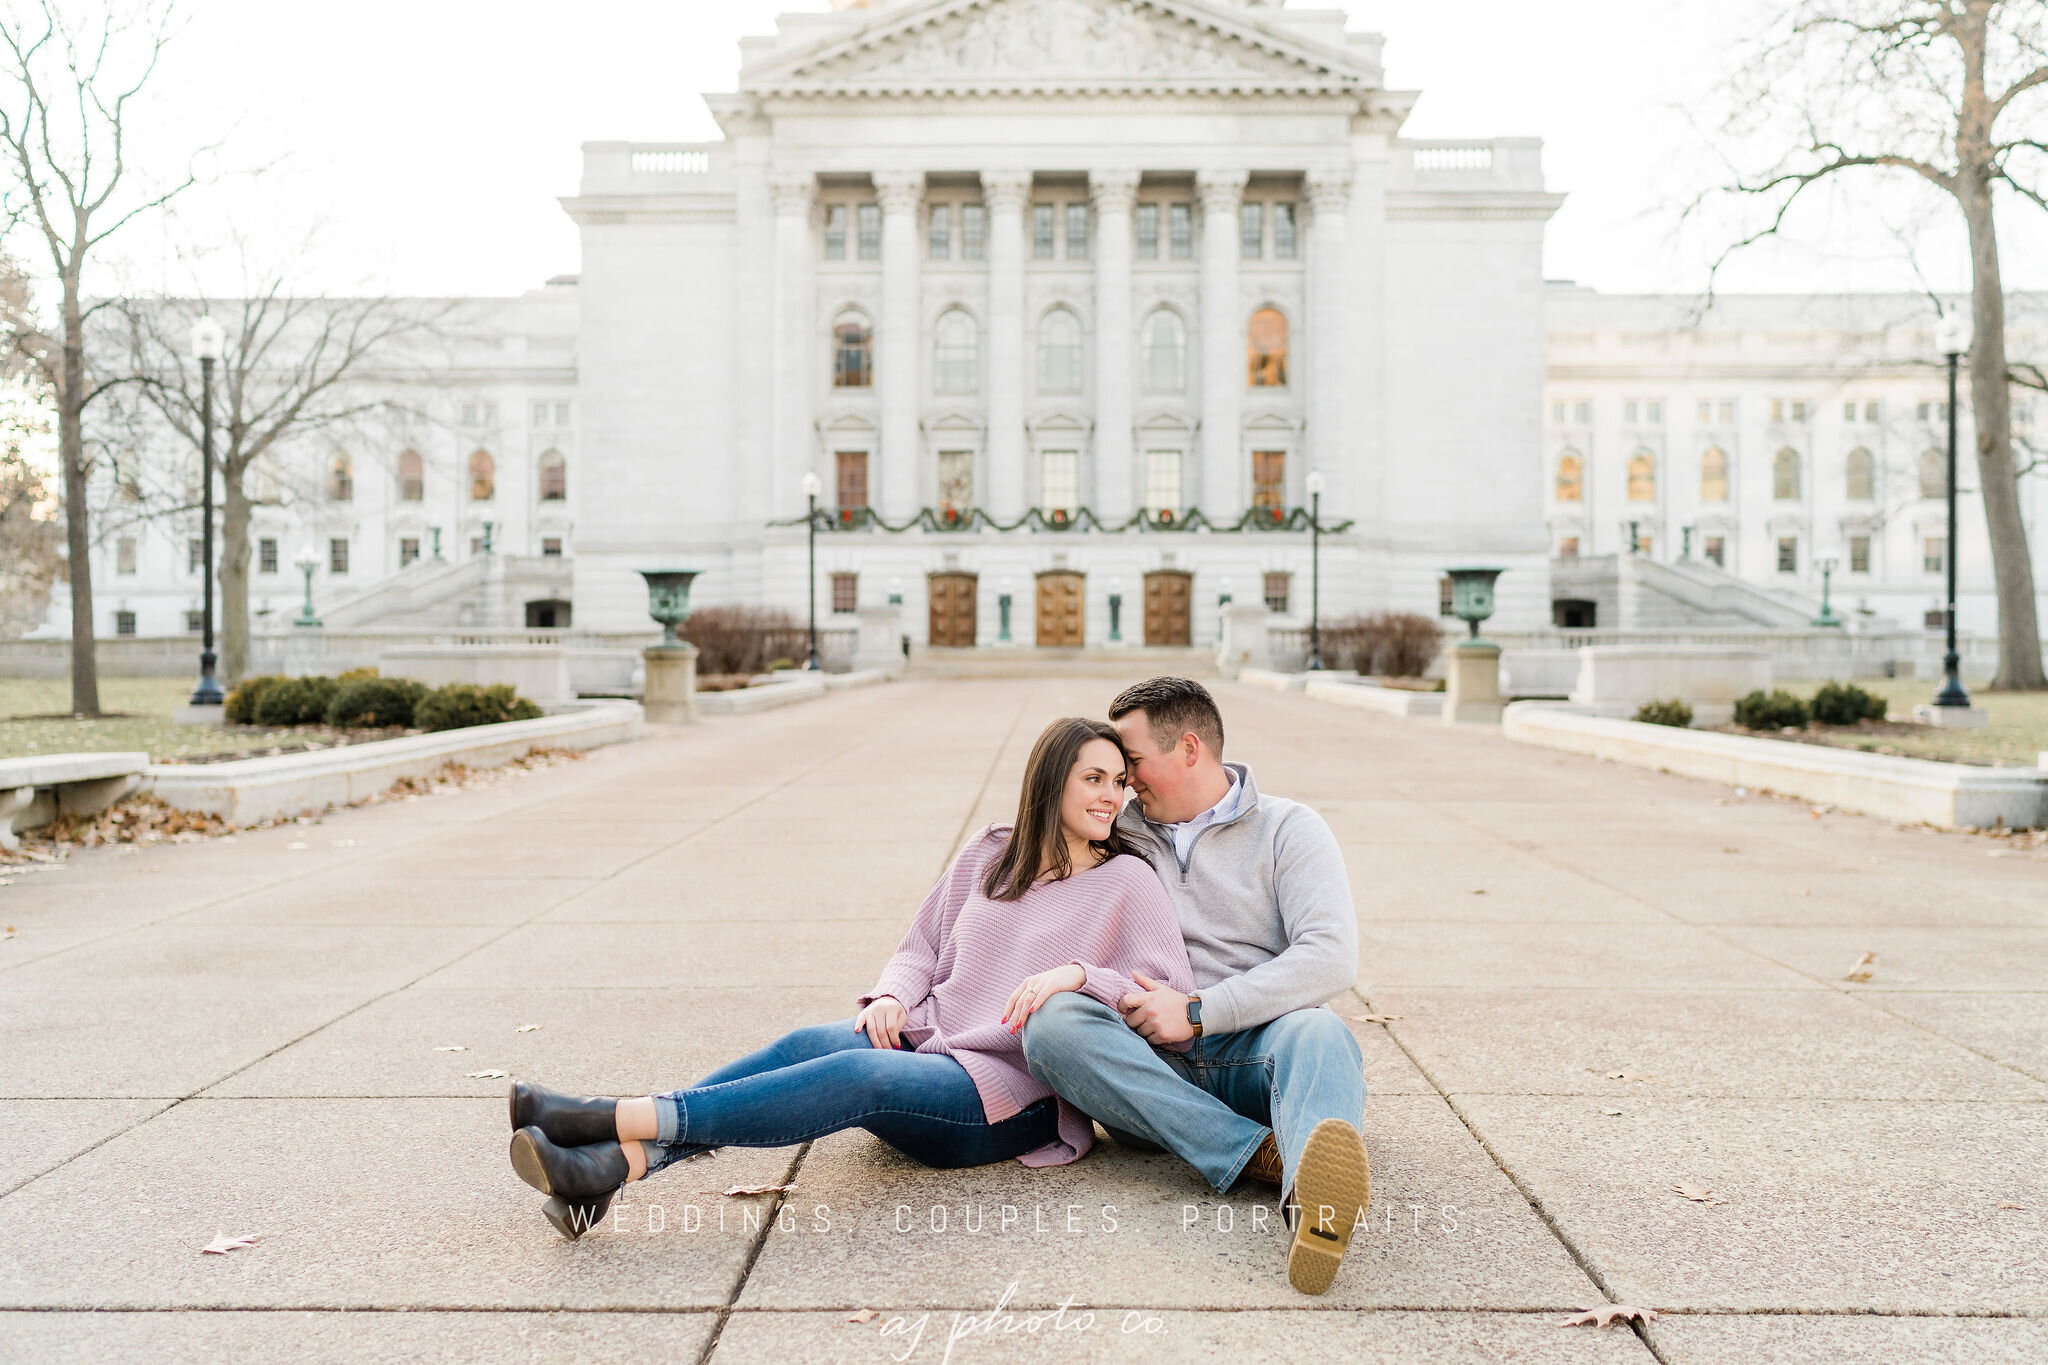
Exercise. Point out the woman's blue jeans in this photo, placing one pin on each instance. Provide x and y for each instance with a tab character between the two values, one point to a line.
821	1079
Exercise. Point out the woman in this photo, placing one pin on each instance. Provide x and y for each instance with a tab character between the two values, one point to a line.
934	1063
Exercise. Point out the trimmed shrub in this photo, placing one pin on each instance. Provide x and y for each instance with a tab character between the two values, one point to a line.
1773	712
295	701
372	703
1672	712
350	675
1386	644
742	639
1845	704
461	705
241	701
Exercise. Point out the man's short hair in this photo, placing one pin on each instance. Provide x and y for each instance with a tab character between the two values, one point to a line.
1173	706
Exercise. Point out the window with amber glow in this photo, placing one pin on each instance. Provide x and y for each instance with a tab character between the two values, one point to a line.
341	478
1860	475
1570	478
1269	479
1266	350
412	477
1642	477
483	476
554	477
1714	475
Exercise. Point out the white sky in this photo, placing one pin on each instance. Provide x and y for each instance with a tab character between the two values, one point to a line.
430	139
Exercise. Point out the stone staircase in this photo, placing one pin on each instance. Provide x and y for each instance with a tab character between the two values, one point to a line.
1635	592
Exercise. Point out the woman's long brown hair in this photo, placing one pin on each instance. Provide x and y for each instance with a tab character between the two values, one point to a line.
1037	845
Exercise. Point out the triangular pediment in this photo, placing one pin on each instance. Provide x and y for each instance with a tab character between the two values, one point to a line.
994	47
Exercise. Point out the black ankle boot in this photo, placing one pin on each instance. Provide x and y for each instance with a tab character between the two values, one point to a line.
573	1220
578	1175
568	1120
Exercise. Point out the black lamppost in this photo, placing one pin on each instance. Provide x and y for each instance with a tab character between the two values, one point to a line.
206	346
812	487
1315	569
1953	338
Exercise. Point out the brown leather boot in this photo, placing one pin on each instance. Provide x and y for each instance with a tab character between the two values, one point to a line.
1265	1163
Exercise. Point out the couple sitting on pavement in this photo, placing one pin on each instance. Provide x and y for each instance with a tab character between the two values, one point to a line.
1158	967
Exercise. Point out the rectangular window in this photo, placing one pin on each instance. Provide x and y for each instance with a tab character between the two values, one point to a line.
1567	547
1251	231
1727	414
1582	412
853	479
1654	412
550	546
1276	592
1788	554
956	481
940	235
1923	411
124	623
1870	411
1934	554
1180	231
540	414
1059	482
195	621
266	555
476	545
195	549
124	555
1285	246
1859	554
973	232
1162	482
1041	232
1269	479
869	219
561	414
1777	409
1717	551
1148	232
1799	412
1077	232
1445	597
1557	413
835	232
408	550
845	592
1848	412
1628	413
469	414
337	555
1643	544
1706	413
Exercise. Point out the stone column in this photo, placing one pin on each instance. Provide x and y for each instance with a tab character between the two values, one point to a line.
1329	194
1114	194
896	343
796	337
1223	332
1005	194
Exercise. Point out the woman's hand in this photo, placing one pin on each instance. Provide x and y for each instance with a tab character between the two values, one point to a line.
883	1021
1034	991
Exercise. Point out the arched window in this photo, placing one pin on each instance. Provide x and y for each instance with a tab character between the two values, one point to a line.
554	477
1265	350
412	477
1785	475
1059	352
1859	476
956	354
1166	352
1934	475
483	476
1714	475
1571	485
341	478
853	352
1642	477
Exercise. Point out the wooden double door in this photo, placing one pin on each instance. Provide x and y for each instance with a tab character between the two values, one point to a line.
1062	609
1169	600
952	597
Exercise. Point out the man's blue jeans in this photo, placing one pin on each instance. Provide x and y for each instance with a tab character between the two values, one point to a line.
824	1078
1212	1105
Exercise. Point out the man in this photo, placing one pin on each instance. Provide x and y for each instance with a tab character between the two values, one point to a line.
1273	1087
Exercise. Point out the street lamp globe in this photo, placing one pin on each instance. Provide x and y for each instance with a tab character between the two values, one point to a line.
812	484
1314	483
207	339
309	556
1952	334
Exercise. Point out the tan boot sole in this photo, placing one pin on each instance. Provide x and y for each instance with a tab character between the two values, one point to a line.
1332	1185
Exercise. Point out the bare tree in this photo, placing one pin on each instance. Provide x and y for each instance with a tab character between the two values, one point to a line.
1941	90
68	88
291	368
29	534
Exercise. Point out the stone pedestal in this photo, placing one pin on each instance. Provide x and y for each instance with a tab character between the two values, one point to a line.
670	697
1952	717
1244	638
880	643
1472	685
215	714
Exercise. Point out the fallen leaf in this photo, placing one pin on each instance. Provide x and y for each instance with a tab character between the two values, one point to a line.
1627	1076
1861	971
737	1190
1480	892
1375	1018
1611	1113
864	1315
487	1075
1731	850
1698	1195
1607	1313
2008	1204
222	1244
452	1047
526	1028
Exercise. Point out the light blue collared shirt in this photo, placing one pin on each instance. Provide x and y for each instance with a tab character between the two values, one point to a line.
1184	833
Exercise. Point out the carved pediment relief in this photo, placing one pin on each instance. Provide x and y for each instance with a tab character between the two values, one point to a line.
999	46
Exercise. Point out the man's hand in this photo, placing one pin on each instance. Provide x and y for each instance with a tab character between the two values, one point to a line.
883	1021
1159	1014
1034	991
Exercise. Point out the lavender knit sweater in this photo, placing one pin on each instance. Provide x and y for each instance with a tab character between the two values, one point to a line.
965	953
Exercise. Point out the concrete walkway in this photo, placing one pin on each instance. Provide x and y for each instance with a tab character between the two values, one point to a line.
1604	983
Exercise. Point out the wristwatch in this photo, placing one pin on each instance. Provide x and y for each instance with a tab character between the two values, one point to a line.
1195	1014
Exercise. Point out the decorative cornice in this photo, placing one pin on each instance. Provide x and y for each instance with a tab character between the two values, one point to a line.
1479	205
1113	191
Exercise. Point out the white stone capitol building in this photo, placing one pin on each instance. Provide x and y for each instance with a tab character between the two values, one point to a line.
1060	298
